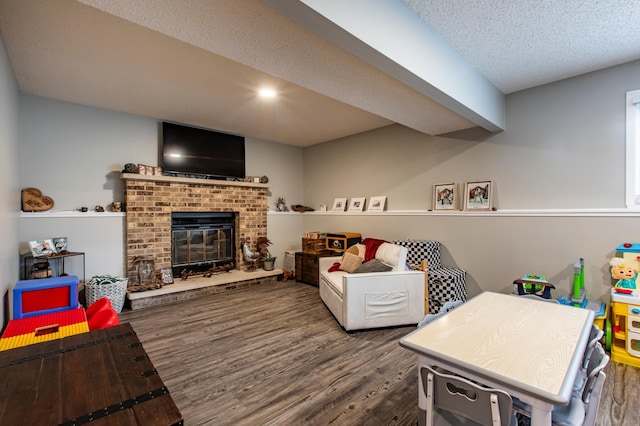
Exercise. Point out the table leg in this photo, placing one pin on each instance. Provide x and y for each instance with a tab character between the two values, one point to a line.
422	401
541	414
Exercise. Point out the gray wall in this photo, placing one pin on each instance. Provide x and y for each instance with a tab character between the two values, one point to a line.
75	153
9	181
564	148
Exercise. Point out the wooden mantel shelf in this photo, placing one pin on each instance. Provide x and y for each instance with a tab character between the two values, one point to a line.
193	181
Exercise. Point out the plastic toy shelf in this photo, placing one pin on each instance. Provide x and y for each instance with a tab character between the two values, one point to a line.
625	345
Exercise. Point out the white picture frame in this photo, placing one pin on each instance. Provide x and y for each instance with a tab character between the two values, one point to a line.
478	195
339	204
377	204
445	196
357	204
41	248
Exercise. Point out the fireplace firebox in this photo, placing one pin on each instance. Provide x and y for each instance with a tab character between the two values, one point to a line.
201	240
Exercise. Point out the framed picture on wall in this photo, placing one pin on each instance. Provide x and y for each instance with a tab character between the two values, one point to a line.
445	196
376	204
357	204
339	204
478	195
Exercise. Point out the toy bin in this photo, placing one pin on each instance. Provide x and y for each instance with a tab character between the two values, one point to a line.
113	288
45	296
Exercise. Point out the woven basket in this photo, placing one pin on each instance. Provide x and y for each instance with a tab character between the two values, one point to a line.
113	288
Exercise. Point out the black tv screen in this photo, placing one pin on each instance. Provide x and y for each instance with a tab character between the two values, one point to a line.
195	151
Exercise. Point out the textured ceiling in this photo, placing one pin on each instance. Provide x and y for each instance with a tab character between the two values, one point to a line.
201	62
518	44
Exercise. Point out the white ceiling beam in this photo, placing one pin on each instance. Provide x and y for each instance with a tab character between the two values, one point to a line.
387	35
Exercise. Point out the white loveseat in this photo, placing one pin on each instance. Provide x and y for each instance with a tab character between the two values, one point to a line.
375	299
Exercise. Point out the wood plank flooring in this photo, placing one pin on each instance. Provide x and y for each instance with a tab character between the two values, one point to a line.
273	355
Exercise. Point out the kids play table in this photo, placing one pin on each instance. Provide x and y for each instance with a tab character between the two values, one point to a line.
528	348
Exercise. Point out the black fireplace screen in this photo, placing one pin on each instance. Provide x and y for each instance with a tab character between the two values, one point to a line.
200	241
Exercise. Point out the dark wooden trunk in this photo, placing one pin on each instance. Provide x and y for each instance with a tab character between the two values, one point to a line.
104	377
307	266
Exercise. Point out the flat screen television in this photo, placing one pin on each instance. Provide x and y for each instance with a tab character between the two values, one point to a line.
192	151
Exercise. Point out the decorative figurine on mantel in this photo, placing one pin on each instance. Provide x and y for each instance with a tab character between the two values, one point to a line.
281	205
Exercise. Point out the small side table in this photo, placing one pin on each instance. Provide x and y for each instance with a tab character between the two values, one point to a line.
307	266
57	262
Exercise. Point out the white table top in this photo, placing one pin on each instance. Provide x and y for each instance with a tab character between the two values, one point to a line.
529	346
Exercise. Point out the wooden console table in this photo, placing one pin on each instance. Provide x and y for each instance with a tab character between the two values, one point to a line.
104	377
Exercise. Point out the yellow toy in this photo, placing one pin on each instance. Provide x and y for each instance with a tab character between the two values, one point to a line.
625	274
622	331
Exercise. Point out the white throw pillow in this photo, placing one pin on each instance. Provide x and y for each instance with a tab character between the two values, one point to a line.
391	255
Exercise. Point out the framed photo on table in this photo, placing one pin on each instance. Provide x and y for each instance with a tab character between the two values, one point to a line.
339	204
42	248
478	195
445	196
376	204
357	204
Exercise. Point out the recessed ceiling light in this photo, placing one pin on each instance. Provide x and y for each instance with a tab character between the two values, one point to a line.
267	93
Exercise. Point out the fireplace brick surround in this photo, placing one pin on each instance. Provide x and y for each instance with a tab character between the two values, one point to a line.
150	200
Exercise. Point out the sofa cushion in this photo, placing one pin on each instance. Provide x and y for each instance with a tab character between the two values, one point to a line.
334	281
374	265
357	249
350	262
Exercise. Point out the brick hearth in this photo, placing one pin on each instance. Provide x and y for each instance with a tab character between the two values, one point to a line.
201	286
150	200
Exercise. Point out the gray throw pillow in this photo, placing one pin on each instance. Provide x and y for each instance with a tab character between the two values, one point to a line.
374	265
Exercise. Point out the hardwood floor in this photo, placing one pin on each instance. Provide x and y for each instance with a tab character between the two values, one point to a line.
273	355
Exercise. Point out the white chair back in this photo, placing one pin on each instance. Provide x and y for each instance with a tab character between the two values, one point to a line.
594	400
594	337
449	395
583	407
448	306
597	362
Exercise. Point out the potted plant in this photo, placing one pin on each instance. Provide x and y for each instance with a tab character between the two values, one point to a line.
269	262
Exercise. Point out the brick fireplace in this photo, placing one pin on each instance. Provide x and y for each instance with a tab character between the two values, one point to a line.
150	200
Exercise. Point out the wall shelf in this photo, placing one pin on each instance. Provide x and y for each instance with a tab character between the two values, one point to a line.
69	213
497	213
482	213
